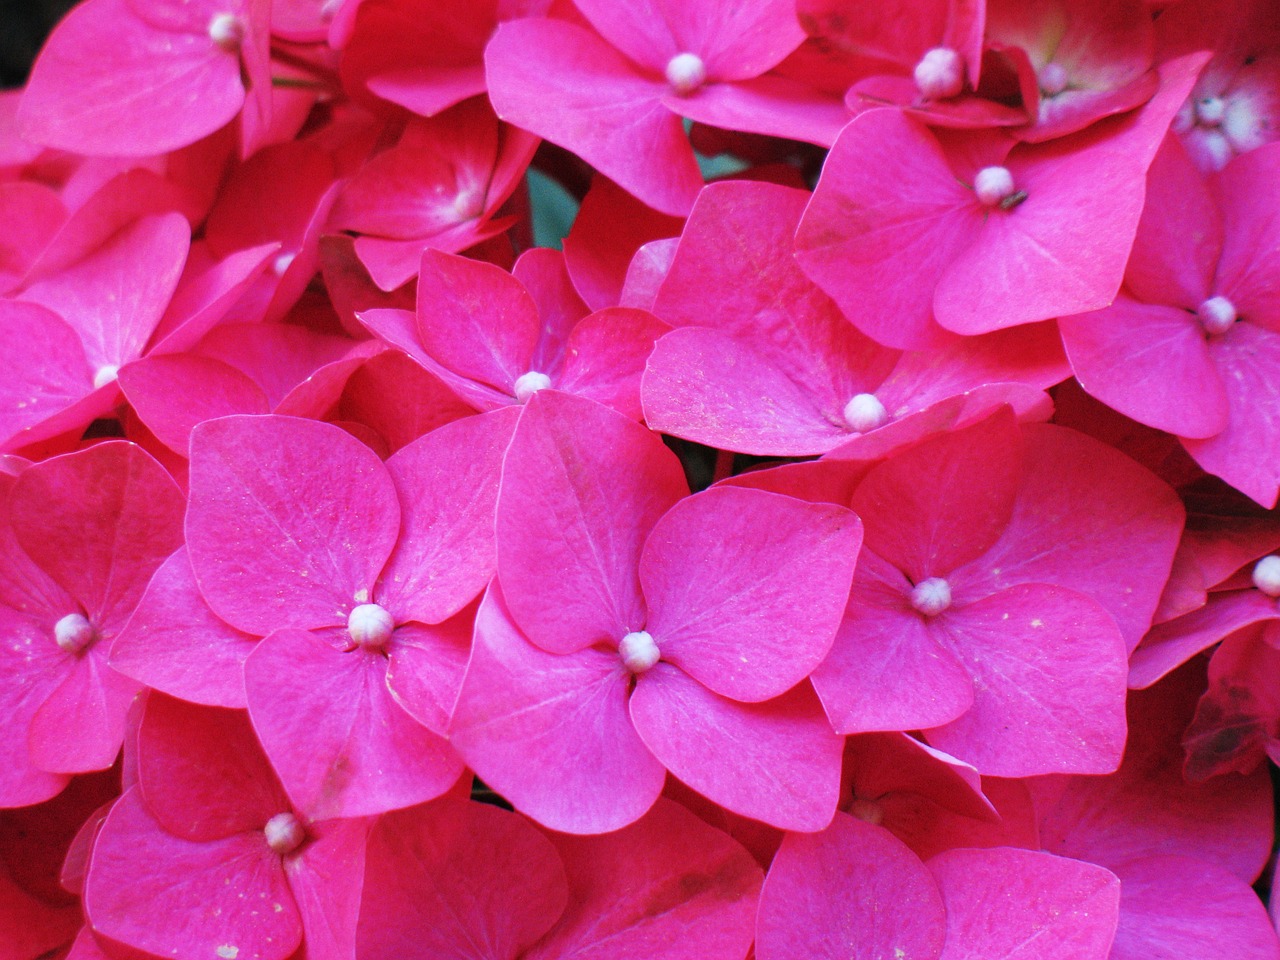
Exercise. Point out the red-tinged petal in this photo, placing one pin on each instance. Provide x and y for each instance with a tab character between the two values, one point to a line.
115	297
718	389
1049	671
395	396
171	394
36	213
158	893
394	263
341	744
201	772
290	521
929	829
134	95
542	272
33	667
885	671
1247	453
447	483
776	761
606	354
610	227
746	588
563	83
277	357
326	879
82	723
1247	271
1048	248
43	369
1227	820
175	643
205	294
961	112
100	522
1149	362
1025	904
582	486
646	272
852	892
475	319
859	237
667	886
1179	235
551	733
944	503
427	666
1174	642
1051	540
458	880
1183	907
879	764
31	927
771	105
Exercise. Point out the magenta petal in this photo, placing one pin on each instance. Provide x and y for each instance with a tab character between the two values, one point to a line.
1025	904
851	892
427	666
132	96
327	879
1049	673
885	671
158	893
447	483
551	733
174	643
1249	265
1176	641
80	725
665	887
943	503
746	588
289	521
99	521
1149	362
1183	907
605	356
777	761
341	744
564	83
32	670
201	772
43	369
449	877
582	486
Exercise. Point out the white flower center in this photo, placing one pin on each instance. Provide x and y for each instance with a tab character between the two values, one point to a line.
1210	111
469	204
226	30
865	412
994	185
74	632
1052	79
686	73
284	833
1266	575
282	263
931	596
527	384
639	652
1217	314
939	74
370	626
107	373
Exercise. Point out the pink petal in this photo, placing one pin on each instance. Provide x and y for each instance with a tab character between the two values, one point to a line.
1025	904
43	367
1174	642
879	764
551	733
771	105
746	588
667	886
133	95
289	520
340	743
32	927
455	879
447	483
565	84
606	355
885	671
582	486
852	892
777	761
326	879
158	893
399	399
201	772
174	643
1247	270
100	522
1183	907
426	667
1049	673
277	357
81	724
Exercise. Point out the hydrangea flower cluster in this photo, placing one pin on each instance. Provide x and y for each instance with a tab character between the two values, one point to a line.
856	539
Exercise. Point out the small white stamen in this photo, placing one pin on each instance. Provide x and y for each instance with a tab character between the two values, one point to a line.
226	30
1217	314
527	384
867	810
639	652
284	833
1052	79
686	73
1266	575
1210	111
74	632
370	626
931	596
107	373
864	413
993	185
282	263
469	204
940	73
